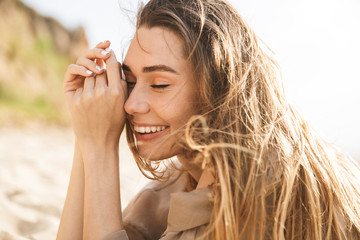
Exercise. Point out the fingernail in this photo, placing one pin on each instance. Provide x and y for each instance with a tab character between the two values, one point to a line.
88	72
99	68
106	51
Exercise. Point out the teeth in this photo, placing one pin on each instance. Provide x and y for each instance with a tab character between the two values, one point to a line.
142	129
149	129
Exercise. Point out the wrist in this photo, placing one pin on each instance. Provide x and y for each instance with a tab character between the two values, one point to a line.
100	154
99	166
91	148
98	141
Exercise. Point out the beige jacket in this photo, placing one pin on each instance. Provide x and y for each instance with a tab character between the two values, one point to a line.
166	211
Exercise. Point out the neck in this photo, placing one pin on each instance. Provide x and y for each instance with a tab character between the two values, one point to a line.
204	177
194	170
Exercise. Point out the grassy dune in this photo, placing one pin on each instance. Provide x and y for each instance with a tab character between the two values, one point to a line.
34	54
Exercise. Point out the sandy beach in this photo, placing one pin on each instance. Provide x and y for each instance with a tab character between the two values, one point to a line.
35	164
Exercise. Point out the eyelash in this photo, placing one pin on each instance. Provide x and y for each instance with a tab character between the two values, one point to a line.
161	86
129	83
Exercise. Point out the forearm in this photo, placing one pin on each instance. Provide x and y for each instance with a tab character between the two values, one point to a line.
96	102
71	223
102	205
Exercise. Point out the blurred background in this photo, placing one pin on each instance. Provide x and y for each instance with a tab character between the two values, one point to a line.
316	43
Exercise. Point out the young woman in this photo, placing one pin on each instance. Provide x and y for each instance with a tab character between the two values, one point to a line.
198	86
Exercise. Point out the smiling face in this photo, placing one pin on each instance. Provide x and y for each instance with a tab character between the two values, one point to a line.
162	93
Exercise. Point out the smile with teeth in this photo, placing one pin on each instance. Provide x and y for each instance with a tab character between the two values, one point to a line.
148	129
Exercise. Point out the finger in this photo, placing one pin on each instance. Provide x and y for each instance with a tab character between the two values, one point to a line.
89	84
74	71
98	53
122	75
77	96
113	70
104	44
89	64
101	81
100	62
73	85
124	88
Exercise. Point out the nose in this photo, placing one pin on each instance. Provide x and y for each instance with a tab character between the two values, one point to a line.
137	102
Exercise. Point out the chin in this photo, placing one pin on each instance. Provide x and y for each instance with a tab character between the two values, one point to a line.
155	157
157	154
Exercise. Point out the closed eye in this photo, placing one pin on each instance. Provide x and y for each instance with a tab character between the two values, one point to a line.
130	83
160	86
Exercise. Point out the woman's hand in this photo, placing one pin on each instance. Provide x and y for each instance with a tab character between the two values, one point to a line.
96	98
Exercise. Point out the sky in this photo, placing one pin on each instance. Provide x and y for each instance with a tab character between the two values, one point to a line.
315	42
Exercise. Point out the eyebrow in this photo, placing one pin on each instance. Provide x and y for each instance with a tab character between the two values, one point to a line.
155	68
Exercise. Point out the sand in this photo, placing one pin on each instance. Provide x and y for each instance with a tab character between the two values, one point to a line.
35	164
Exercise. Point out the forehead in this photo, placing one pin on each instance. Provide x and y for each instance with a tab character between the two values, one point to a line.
155	45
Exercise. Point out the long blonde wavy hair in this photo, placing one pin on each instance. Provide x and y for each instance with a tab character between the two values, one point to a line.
275	178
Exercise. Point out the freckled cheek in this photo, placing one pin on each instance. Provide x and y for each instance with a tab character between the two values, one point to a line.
174	114
184	113
176	109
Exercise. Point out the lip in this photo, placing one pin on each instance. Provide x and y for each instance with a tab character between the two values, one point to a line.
148	136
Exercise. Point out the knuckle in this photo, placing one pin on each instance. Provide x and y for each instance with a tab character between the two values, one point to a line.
115	91
71	68
102	76
99	92
77	103
79	60
111	62
86	97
